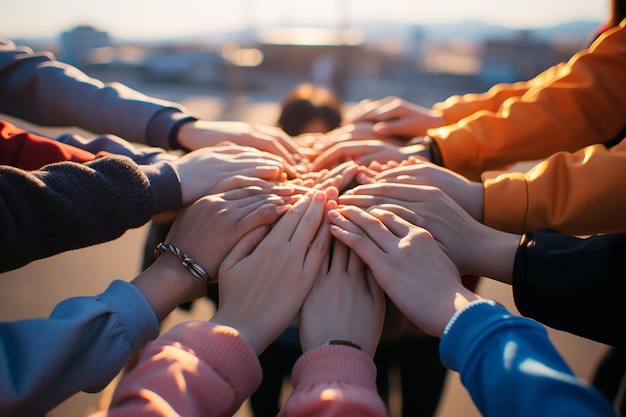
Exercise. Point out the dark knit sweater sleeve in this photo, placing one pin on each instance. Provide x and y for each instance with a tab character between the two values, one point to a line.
68	205
573	284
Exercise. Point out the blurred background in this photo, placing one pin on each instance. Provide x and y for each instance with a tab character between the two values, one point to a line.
235	60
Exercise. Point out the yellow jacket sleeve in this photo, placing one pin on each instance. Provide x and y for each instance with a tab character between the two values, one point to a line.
566	108
575	193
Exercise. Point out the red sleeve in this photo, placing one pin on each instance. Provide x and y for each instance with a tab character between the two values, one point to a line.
25	150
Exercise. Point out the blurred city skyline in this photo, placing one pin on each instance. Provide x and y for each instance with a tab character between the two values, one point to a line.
157	19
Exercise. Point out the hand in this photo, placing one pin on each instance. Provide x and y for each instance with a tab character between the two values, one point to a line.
217	169
407	263
466	240
344	303
364	153
202	133
394	117
206	231
468	194
265	278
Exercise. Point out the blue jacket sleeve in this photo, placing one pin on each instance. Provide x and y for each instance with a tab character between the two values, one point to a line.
510	368
38	88
81	347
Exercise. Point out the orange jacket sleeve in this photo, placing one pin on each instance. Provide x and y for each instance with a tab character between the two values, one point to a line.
574	193
567	108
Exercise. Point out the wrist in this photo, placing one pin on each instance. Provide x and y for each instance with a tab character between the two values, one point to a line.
166	284
195	134
174	138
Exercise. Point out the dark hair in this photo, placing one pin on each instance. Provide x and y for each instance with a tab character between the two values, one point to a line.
305	103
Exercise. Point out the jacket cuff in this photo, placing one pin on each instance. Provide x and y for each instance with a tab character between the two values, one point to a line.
465	327
164	186
134	310
164	126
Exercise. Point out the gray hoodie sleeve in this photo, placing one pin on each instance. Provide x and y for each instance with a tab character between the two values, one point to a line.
38	88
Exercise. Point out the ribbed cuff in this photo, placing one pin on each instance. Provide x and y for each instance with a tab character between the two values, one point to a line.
221	347
162	131
464	327
134	310
164	186
336	363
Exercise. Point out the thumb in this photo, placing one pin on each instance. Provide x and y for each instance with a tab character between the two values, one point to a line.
392	128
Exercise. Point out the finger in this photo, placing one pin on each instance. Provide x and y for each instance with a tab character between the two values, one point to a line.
363	201
340	257
241	181
394	223
375	229
343	230
320	245
341	152
259	214
356	266
309	223
403	212
243	248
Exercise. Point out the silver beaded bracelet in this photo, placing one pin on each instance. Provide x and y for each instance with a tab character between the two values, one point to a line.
196	269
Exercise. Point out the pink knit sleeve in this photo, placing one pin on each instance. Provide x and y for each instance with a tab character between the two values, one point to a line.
334	381
195	369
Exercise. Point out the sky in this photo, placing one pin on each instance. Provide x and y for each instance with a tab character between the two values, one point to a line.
161	19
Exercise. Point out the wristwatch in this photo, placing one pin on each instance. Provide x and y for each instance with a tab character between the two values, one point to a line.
431	149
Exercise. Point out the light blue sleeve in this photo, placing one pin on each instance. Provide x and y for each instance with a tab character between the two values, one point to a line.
82	346
510	367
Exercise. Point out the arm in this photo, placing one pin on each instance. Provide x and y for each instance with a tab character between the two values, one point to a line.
577	194
258	299
97	334
580	106
68	205
510	367
507	363
87	340
555	274
25	150
344	304
196	369
38	88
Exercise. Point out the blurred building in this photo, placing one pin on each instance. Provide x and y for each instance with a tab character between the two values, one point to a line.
324	56
520	58
79	42
185	64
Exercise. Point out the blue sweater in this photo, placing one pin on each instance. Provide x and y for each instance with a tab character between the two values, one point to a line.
82	346
510	367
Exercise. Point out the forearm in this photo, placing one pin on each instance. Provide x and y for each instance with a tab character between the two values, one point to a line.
563	192
196	368
42	90
80	347
67	206
573	284
510	368
590	96
459	107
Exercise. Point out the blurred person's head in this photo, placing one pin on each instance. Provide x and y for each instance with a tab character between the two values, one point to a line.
309	109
